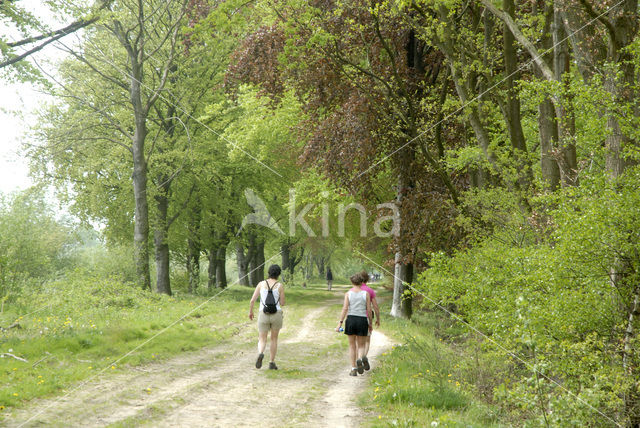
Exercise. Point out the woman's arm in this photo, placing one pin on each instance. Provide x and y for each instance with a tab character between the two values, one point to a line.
256	292
369	310
376	310
345	309
282	300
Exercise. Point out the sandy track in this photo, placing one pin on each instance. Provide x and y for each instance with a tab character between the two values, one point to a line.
337	407
220	387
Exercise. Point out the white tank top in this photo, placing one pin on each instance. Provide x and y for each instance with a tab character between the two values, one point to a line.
357	303
263	296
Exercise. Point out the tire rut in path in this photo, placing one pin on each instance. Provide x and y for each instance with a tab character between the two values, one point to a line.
338	407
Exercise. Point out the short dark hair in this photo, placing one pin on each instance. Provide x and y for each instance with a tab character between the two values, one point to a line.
364	275
274	271
356	279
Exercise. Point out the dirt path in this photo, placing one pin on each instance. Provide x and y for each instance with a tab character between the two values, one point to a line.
220	387
341	412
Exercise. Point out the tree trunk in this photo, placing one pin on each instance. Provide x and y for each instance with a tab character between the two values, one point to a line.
221	266
295	257
194	245
621	87
141	218
401	305
256	264
308	271
320	264
547	127
285	251
548	137
251	256
163	280
243	263
594	53
193	265
193	249
567	157
213	267
513	115
141	226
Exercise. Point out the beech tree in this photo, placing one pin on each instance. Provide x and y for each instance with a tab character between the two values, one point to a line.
367	85
132	52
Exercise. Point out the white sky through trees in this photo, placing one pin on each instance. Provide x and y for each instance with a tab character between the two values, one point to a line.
18	102
14	127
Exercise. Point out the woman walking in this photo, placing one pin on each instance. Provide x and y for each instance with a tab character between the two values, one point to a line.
364	277
269	322
357	309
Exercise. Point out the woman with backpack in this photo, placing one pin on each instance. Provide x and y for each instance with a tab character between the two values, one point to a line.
357	309
272	299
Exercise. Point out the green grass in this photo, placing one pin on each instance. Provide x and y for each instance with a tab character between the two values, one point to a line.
84	324
425	380
289	373
87	324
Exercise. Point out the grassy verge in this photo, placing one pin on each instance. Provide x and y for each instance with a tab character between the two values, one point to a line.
80	326
84	326
427	380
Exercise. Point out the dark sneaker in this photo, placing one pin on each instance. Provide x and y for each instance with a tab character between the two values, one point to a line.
259	361
360	366
353	372
272	366
365	361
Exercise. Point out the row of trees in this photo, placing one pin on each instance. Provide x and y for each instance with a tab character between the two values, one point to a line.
483	122
151	140
412	102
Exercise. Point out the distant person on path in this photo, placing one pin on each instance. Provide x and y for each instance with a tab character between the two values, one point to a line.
364	277
268	322
329	278
357	307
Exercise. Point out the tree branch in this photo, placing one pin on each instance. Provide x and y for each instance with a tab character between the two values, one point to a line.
604	21
184	205
71	28
513	27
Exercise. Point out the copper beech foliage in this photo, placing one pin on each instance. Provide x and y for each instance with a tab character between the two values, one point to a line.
369	88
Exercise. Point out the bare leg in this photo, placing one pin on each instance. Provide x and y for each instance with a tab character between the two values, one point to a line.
273	347
361	341
367	345
262	341
352	349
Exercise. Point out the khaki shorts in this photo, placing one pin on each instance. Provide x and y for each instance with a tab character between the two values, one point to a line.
268	322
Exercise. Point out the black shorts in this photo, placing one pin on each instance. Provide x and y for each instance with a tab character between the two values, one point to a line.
356	325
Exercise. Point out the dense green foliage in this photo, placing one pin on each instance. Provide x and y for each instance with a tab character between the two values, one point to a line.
33	243
542	291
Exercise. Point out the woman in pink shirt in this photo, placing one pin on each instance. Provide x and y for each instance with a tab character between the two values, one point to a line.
376	309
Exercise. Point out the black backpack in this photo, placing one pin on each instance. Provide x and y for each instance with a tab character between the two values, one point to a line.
270	304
